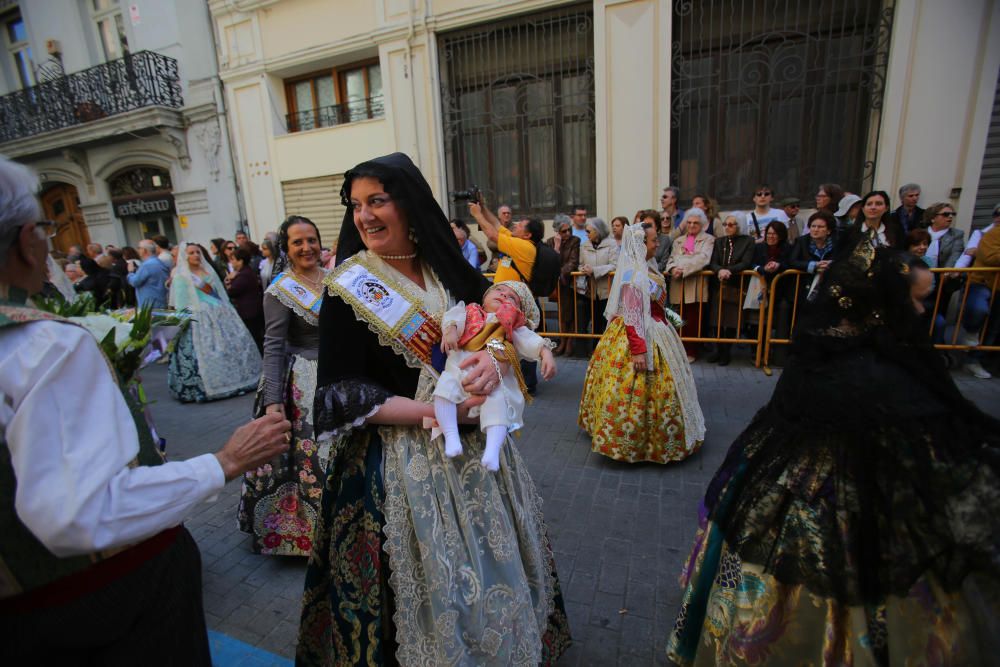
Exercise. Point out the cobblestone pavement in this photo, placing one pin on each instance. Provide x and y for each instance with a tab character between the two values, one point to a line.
619	531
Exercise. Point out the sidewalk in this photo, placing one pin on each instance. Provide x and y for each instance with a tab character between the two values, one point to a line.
619	531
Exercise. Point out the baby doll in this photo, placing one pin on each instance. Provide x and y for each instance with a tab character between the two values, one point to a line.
503	325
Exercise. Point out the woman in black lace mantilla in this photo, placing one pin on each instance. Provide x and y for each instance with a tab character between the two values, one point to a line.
855	521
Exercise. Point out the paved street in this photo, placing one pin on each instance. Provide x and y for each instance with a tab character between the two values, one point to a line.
619	531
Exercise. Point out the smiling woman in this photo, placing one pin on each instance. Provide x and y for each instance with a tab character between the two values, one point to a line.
469	571
279	502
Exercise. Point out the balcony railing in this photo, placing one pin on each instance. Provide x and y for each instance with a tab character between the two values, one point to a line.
136	81
337	114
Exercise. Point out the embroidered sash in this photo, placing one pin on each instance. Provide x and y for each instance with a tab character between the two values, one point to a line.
297	296
388	310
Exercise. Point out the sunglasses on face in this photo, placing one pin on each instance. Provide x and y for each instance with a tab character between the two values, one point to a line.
564	231
762	193
947	214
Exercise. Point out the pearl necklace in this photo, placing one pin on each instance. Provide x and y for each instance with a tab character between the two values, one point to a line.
412	255
315	284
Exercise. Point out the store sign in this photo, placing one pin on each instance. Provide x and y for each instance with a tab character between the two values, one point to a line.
143	205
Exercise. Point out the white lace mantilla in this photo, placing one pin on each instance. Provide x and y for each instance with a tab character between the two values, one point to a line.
667	339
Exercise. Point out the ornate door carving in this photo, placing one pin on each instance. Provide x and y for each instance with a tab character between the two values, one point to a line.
62	205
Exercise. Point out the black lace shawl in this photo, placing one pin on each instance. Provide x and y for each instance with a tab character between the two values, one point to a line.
867	468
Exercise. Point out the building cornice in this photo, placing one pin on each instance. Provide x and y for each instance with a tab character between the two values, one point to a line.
121	127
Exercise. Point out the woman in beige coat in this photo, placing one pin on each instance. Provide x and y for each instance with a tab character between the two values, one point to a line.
691	253
598	257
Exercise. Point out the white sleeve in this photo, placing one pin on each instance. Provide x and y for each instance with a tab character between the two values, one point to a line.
454	315
71	437
528	344
748	227
964	260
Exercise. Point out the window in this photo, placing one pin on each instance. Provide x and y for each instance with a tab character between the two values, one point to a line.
787	96
518	103
110	29
20	51
334	97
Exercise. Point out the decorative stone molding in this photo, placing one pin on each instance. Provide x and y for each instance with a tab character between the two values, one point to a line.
177	139
80	159
209	137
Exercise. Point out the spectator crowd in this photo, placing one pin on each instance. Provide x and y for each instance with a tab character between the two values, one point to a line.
706	253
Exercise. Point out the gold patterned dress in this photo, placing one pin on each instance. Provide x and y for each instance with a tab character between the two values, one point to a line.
634	415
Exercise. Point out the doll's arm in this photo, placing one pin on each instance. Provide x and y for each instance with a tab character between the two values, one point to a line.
452	326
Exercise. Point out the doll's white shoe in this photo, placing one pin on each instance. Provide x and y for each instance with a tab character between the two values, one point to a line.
452	446
491	460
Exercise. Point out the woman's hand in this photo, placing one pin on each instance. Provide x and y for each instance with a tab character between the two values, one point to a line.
275	408
465	406
772	266
725	274
677	273
548	364
639	362
480	374
822	265
586	268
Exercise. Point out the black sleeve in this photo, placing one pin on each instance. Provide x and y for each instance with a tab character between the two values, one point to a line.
798	255
356	374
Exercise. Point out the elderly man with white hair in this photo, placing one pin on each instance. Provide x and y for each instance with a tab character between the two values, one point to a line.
95	564
150	279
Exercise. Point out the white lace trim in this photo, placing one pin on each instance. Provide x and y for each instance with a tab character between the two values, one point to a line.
669	342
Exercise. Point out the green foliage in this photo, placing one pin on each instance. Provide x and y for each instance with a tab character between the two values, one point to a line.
58	305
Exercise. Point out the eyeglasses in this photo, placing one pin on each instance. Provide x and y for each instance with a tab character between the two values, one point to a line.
947	214
564	231
762	193
730	224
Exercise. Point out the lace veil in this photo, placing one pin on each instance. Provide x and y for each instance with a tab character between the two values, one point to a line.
183	292
629	296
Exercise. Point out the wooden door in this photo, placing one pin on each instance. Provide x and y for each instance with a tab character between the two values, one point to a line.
62	205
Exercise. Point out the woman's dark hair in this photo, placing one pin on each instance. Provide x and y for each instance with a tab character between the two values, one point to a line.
779	228
414	199
461	224
128	252
916	237
161	241
623	219
826	217
655	215
219	245
860	220
281	261
251	247
114	253
243	254
835	192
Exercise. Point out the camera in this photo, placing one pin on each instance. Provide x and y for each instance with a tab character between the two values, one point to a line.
470	194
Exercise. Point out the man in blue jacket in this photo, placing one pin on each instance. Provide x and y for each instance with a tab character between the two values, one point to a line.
150	279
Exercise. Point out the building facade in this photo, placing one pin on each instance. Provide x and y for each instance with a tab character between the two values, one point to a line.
546	105
119	107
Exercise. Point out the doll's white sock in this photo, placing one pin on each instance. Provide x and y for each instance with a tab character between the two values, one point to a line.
446	414
495	436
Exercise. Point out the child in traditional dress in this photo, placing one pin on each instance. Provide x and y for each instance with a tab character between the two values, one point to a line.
503	325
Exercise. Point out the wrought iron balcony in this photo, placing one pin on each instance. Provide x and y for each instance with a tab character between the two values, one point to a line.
138	80
336	114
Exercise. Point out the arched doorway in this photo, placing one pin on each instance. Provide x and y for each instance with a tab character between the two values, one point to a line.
61	204
143	199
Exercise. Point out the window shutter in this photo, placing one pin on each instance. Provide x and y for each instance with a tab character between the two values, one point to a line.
319	200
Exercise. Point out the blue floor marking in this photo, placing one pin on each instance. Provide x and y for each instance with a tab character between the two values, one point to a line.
229	652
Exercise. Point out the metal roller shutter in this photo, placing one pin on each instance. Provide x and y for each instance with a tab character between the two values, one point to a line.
319	200
988	194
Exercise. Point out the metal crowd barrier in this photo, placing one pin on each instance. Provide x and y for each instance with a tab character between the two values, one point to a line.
705	280
943	276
